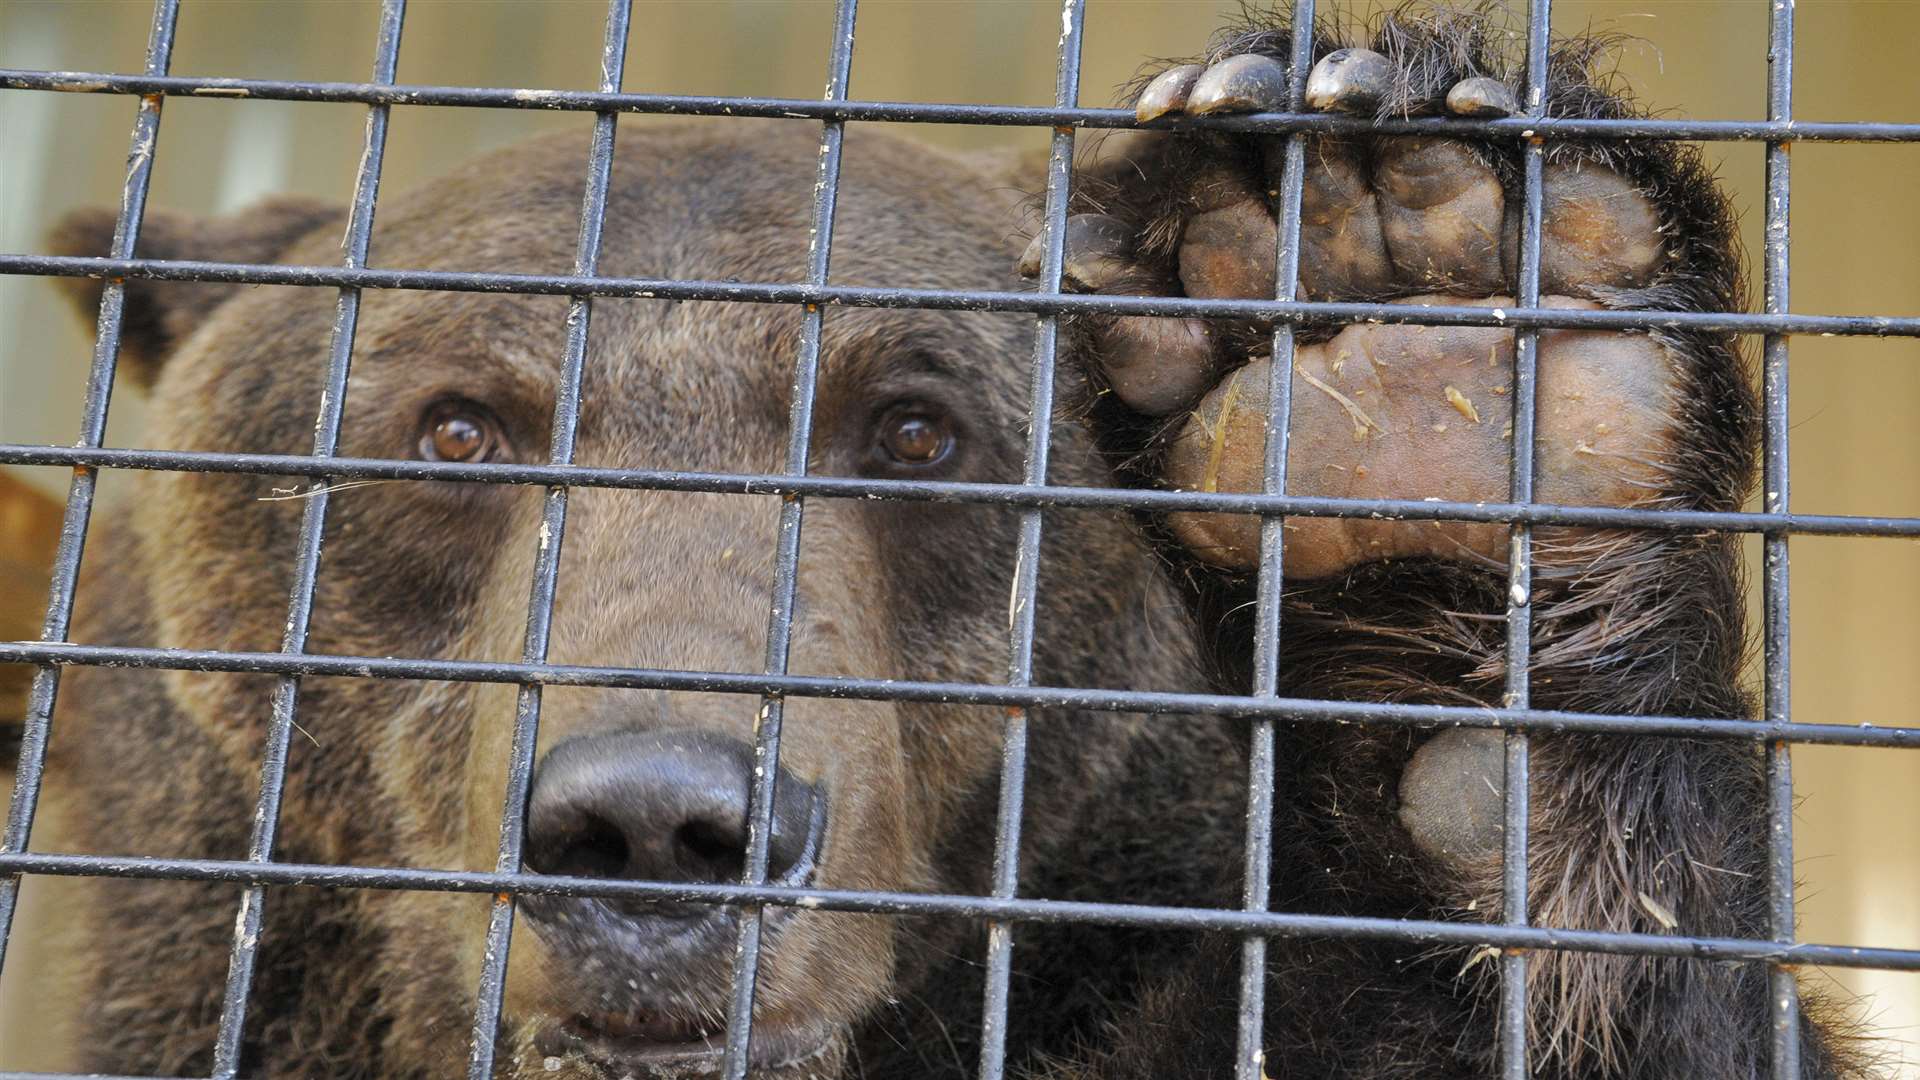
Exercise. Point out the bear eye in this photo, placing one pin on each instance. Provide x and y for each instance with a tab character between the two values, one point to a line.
916	435
460	431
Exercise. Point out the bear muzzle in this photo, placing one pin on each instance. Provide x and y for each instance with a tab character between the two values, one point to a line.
640	980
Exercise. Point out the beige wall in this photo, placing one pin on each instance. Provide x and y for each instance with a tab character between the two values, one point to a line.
1856	231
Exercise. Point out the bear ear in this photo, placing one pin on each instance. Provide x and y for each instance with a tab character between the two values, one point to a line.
160	314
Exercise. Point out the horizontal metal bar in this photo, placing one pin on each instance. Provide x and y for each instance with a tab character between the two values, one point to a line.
1270	924
864	689
84	1076
1298	312
93	82
949	491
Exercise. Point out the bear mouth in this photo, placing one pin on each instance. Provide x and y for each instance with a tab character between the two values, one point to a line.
649	1044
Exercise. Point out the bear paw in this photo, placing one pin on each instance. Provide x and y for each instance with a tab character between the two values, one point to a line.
1378	411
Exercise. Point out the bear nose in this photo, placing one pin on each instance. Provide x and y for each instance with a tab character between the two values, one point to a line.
664	806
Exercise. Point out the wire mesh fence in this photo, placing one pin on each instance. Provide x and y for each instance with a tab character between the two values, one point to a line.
260	871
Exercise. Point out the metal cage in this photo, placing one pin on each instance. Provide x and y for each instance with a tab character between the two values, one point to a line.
1513	938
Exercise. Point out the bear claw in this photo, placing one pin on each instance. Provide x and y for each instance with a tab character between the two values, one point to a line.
1167	93
1248	83
1482	96
1352	81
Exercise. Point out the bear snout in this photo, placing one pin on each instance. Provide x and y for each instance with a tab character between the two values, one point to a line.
664	806
667	806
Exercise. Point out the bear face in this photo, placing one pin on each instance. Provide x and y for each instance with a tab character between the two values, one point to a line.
870	791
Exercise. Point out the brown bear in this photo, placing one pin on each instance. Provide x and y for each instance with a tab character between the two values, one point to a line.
1628	834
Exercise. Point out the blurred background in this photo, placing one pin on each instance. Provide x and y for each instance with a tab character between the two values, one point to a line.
1856	250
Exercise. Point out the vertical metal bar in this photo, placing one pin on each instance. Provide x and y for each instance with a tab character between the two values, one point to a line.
93	427
546	567
1026	567
1513	963
1250	1049
1784	991
326	438
786	566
